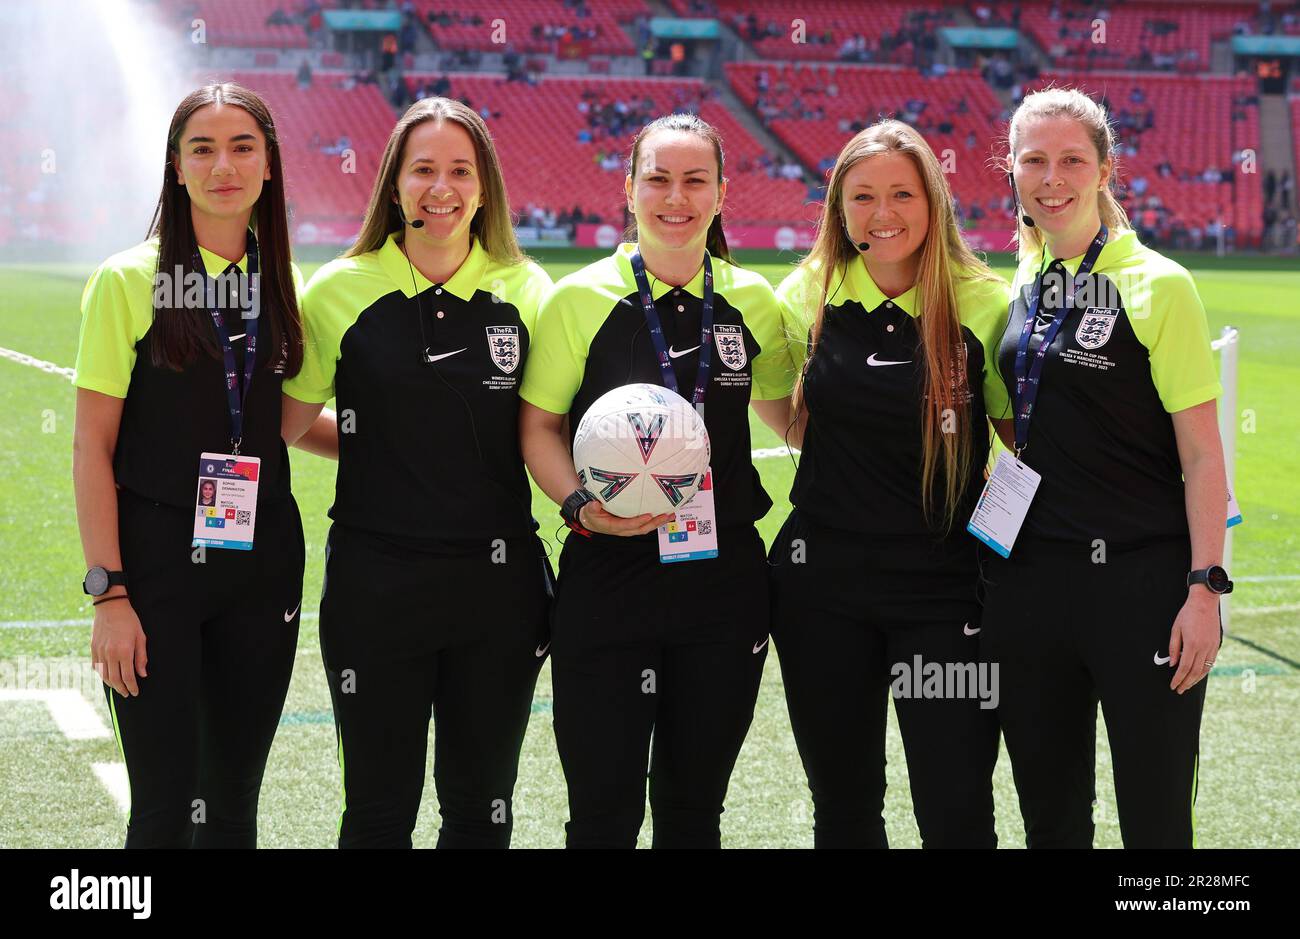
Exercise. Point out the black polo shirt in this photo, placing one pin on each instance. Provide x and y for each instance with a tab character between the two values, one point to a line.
860	467
592	338
428	451
1134	349
170	417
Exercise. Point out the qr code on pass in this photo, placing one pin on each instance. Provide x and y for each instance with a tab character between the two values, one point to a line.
706	527
242	517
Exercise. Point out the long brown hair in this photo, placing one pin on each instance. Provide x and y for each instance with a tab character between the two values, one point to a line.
716	240
945	258
491	223
178	334
1077	106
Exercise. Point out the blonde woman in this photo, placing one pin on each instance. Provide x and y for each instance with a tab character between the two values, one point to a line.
1111	590
436	586
893	323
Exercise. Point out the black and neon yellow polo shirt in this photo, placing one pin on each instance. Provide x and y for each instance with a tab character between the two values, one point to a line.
171	417
428	451
860	468
1134	349
592	338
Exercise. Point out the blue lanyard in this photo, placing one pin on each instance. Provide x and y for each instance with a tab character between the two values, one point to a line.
234	396
1029	374
657	332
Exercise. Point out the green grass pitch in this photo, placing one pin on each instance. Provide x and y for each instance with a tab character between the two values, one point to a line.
53	798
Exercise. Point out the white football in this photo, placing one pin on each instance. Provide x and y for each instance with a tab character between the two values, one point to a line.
641	448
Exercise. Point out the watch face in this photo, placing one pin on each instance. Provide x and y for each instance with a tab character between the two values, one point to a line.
96	581
1217	579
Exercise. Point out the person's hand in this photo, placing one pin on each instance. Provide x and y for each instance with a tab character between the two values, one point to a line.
1194	641
594	518
117	647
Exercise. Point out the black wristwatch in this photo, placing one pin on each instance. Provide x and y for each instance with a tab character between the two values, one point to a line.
572	507
98	580
1214	577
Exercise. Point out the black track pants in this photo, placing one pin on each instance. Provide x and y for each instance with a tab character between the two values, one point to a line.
221	636
406	634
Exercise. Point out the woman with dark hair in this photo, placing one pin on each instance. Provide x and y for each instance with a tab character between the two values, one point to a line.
436	587
667	307
185	340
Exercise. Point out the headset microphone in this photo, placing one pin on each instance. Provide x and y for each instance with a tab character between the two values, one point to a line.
1024	216
417	223
860	245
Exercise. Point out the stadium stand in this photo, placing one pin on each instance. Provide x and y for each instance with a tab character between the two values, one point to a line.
887	31
815	109
577	29
312	121
1137	35
1189	158
247	23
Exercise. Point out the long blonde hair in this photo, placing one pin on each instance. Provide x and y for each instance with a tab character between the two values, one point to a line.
1077	106
945	258
491	223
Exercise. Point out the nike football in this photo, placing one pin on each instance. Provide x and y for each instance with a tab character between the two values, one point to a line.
641	448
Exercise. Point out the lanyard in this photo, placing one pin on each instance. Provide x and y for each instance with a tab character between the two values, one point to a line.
657	332
1029	374
234	396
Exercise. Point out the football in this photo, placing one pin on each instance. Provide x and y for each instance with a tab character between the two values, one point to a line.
641	448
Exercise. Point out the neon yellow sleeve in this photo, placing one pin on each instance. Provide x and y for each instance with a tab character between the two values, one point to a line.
557	353
116	312
1177	337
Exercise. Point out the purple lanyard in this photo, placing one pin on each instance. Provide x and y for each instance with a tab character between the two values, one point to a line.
235	398
657	332
1028	374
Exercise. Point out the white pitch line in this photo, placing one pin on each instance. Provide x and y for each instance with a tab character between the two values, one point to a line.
768	452
23	359
71	712
114	779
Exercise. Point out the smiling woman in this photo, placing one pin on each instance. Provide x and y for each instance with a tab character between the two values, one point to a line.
668	307
421	330
1114	408
195	648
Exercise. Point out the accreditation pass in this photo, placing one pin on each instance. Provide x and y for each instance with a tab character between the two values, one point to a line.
692	535
226	501
1004	503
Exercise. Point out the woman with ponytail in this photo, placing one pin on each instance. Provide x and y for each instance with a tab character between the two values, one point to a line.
1106	358
893	323
639	646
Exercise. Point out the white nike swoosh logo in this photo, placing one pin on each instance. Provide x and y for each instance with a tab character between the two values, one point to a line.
1160	661
541	650
970	632
872	360
240	336
758	647
289	614
445	355
674	354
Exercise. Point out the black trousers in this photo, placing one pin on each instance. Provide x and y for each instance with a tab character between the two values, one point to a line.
669	651
1068	633
221	636
408	633
855	622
